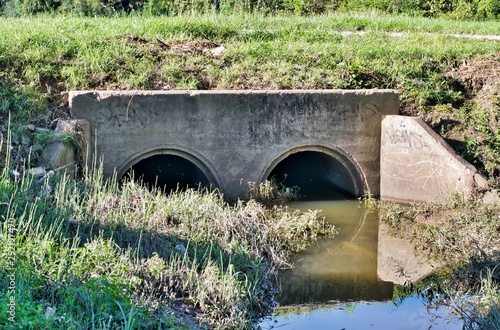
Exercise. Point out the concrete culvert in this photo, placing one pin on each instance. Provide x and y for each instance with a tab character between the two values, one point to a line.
318	175
168	172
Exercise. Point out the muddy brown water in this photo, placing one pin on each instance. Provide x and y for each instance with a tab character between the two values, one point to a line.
347	282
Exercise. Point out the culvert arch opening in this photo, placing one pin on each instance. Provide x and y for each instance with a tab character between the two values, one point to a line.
169	172
318	174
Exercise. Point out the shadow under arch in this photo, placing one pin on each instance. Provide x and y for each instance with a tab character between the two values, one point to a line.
320	172
169	169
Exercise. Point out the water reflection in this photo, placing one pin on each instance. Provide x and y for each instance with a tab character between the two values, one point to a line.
347	282
343	268
411	314
397	260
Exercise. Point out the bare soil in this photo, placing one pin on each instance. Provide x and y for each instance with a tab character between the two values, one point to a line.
188	315
479	74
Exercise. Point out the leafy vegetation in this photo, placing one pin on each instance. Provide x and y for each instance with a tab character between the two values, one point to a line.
271	192
457	9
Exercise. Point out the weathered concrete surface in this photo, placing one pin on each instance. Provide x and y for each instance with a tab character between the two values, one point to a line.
418	165
236	137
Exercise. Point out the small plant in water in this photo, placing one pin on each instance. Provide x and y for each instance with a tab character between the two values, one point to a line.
369	200
272	192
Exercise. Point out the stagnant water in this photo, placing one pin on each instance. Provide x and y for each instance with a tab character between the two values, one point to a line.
336	283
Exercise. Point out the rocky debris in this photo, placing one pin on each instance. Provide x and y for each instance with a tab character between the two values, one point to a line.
480	182
66	126
15	174
491	198
42	130
47	191
481	78
194	47
37	171
46	176
478	74
181	248
25	140
478	78
59	155
21	143
28	155
217	51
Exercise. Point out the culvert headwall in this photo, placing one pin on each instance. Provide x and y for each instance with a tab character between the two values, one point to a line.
236	135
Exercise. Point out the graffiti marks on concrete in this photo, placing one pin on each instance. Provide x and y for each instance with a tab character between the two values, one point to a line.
367	110
406	138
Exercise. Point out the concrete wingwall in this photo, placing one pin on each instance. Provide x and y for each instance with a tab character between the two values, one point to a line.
236	137
416	164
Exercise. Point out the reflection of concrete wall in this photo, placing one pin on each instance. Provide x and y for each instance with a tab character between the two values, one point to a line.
237	135
418	165
397	261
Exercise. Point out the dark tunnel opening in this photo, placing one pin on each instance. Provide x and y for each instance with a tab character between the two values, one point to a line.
318	175
168	172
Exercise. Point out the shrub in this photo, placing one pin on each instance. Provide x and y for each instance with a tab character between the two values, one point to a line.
487	9
34	6
94	7
457	9
79	7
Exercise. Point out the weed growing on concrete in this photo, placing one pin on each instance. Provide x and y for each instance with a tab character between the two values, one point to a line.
371	203
271	192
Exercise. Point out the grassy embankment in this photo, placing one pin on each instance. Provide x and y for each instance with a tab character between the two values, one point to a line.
116	260
45	57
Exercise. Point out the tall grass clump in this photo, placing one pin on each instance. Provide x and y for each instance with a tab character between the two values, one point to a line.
95	253
272	192
462	9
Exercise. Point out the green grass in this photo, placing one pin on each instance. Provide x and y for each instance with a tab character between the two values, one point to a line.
65	53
